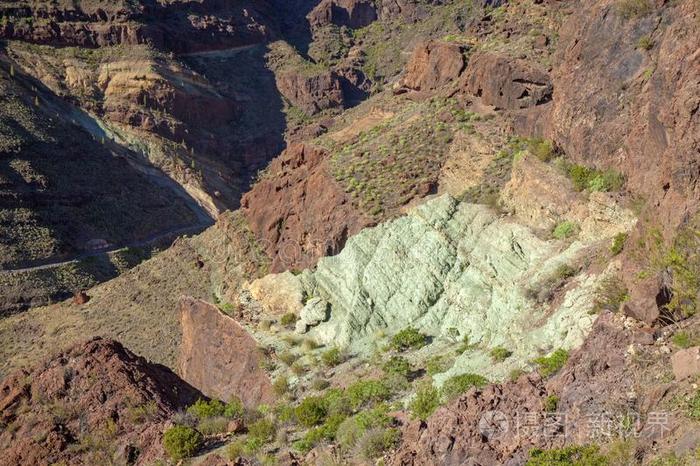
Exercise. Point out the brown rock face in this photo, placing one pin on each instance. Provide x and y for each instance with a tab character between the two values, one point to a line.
506	83
433	64
618	104
312	93
95	391
298	212
351	13
219	357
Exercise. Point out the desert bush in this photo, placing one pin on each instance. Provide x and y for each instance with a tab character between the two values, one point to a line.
684	339
543	149
203	409
567	456
181	442
427	399
645	43
550	403
500	354
455	386
234	408
610	294
235	449
618	243
262	430
331	357
436	365
397	365
352	428
326	431
565	229
550	365
213	425
281	385
633	8
367	391
320	384
287	357
288	319
377	441
408	338
311	411
585	178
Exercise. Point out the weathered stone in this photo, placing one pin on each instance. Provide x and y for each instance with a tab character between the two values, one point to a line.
686	363
506	83
311	93
433	64
351	13
278	293
219	357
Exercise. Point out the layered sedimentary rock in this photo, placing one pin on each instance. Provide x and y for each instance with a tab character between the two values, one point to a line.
93	390
219	357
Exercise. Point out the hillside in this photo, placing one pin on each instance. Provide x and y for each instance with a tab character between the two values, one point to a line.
401	232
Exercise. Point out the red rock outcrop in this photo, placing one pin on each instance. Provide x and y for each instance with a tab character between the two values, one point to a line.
219	357
351	13
311	93
433	64
94	403
506	83
298	211
183	27
634	108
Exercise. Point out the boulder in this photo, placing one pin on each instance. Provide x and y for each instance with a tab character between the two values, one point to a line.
433	64
218	356
315	311
506	83
686	363
311	93
278	293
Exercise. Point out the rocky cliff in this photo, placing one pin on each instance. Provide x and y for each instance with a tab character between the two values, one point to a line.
92	404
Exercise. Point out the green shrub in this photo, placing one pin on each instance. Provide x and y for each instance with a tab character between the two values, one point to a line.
611	293
377	441
367	391
281	385
633	8
409	338
455	386
543	149
551	403
693	410
585	178
262	431
466	345
320	384
645	43
550	365
427	399
336	402
311	411
565	229
568	456
289	319
515	374
181	442
618	243
235	450
500	354
326	431
436	365
684	340
213	425
202	409
352	428
331	357
234	408
287	357
397	365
